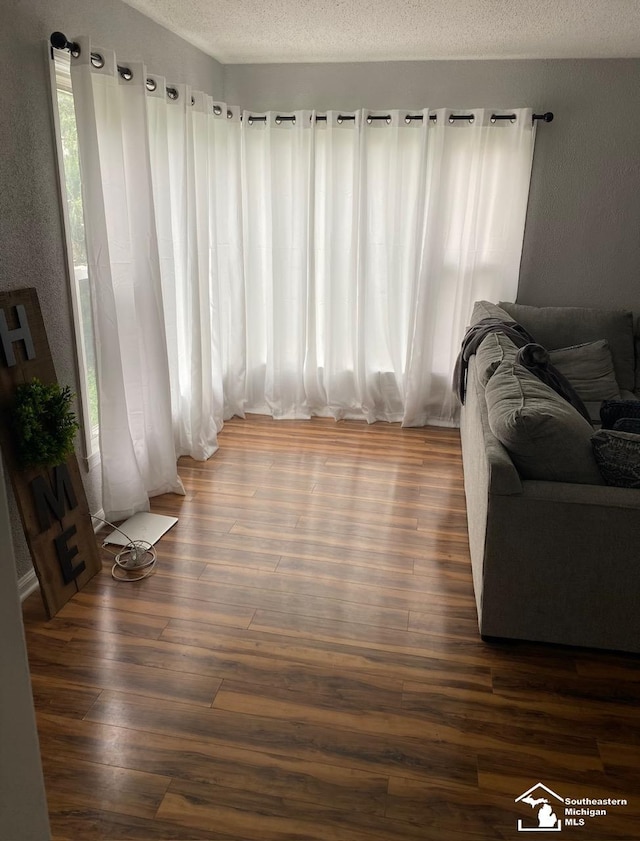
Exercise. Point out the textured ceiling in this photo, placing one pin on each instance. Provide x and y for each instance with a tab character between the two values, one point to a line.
266	31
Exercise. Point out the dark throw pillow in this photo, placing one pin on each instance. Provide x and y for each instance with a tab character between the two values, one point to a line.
613	410
627	425
618	457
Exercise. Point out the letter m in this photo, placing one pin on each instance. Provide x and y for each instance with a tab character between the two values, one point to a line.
53	500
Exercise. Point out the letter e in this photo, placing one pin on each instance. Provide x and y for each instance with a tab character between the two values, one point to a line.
66	554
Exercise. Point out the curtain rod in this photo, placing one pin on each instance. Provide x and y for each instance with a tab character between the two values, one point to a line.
452	118
59	41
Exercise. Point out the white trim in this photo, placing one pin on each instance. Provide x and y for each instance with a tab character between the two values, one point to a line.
97	525
94	460
27	584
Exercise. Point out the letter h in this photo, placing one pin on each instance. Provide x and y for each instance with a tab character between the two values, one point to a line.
21	333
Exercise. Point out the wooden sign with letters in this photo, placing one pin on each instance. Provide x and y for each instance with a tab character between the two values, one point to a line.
52	502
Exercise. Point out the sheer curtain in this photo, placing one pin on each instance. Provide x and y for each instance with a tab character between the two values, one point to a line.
476	203
280	263
195	172
136	435
367	239
277	171
371	189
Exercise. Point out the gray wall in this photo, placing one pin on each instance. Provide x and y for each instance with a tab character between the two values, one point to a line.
31	243
23	805
582	239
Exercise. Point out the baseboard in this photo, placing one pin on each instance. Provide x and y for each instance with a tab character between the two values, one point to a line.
97	525
27	584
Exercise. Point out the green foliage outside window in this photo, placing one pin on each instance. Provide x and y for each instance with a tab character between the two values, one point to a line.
69	139
73	191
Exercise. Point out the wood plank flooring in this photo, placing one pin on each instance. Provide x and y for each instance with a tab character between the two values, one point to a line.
305	664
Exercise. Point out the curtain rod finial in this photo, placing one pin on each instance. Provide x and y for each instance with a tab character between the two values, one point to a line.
59	41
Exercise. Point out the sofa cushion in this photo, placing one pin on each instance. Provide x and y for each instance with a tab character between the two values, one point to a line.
485	309
618	457
559	327
494	349
593	410
637	338
589	369
546	437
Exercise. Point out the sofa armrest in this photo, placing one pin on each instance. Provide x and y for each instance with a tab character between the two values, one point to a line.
485	458
561	565
596	495
488	472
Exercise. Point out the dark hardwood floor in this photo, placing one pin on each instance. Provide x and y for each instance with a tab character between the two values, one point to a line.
304	663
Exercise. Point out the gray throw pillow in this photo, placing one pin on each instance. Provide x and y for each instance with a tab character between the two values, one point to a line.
589	369
545	436
559	327
618	457
485	309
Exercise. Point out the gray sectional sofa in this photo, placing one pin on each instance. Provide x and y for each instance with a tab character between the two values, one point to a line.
555	551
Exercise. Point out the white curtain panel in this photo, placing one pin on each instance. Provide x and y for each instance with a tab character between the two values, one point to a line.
370	214
136	435
195	173
281	264
478	176
277	168
366	243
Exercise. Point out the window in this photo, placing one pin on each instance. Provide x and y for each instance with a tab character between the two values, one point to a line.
71	200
